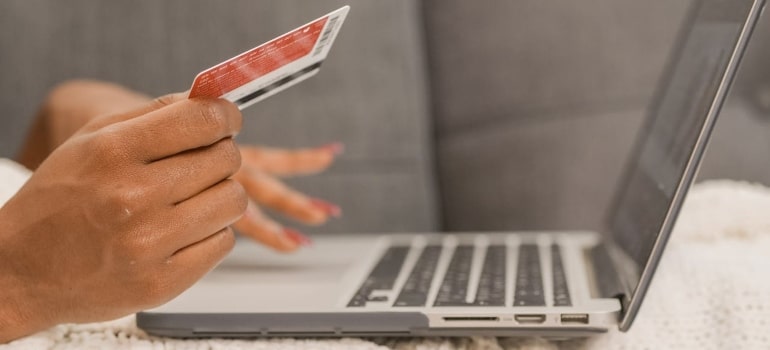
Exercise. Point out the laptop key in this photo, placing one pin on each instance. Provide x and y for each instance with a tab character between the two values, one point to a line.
491	290
529	279
415	290
383	275
455	285
560	290
377	298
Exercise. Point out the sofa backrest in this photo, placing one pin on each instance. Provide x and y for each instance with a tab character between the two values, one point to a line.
537	103
456	114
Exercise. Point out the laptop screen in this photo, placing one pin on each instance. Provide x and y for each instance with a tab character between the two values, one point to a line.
677	123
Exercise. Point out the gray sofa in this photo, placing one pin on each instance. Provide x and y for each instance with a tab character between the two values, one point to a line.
457	115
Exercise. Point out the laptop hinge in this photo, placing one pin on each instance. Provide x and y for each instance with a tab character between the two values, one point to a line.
610	276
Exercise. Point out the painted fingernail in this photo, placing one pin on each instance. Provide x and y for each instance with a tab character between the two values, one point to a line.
328	208
335	148
297	237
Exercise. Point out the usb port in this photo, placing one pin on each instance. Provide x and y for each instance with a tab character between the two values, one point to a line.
529	319
574	318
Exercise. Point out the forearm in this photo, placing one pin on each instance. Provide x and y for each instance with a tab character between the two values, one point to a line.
68	108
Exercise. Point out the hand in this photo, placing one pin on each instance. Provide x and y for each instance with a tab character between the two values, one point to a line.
258	176
124	216
73	104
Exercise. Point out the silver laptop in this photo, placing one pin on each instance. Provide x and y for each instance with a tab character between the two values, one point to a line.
558	284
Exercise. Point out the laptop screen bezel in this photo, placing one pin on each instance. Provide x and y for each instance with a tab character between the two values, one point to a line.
632	303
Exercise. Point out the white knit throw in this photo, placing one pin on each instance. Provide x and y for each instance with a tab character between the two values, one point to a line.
712	291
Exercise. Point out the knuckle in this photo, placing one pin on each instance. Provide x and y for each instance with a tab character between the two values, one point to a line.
242	204
108	143
212	115
228	115
135	248
219	244
270	191
236	195
234	115
226	241
288	201
230	110
231	155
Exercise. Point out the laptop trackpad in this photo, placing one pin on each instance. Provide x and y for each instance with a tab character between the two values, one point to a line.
256	279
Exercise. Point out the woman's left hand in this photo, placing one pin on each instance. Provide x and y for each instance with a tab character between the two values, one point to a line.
259	174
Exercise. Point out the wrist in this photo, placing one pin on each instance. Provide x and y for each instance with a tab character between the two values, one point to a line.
16	320
18	316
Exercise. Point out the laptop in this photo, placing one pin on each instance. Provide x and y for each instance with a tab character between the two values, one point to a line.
552	284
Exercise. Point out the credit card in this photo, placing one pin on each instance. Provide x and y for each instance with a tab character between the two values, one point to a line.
273	66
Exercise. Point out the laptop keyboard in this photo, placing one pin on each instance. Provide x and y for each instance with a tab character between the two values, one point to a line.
454	286
560	289
383	276
529	280
491	290
415	291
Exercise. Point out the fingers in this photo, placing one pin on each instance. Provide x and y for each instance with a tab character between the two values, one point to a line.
272	193
192	262
291	162
189	173
178	127
255	225
211	211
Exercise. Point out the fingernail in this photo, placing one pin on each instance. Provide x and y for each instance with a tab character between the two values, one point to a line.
328	208
335	148
297	237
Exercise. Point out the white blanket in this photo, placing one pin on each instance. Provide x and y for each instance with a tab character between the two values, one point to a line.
712	291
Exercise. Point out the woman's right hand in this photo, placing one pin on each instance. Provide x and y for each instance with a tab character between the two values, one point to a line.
123	216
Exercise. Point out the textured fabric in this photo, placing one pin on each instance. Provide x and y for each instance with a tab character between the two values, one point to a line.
710	292
12	177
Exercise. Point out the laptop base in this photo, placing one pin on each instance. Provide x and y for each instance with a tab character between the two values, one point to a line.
258	293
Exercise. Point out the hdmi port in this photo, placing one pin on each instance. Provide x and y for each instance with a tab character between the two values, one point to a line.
464	318
530	319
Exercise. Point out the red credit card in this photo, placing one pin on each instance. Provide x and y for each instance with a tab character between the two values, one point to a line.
273	66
